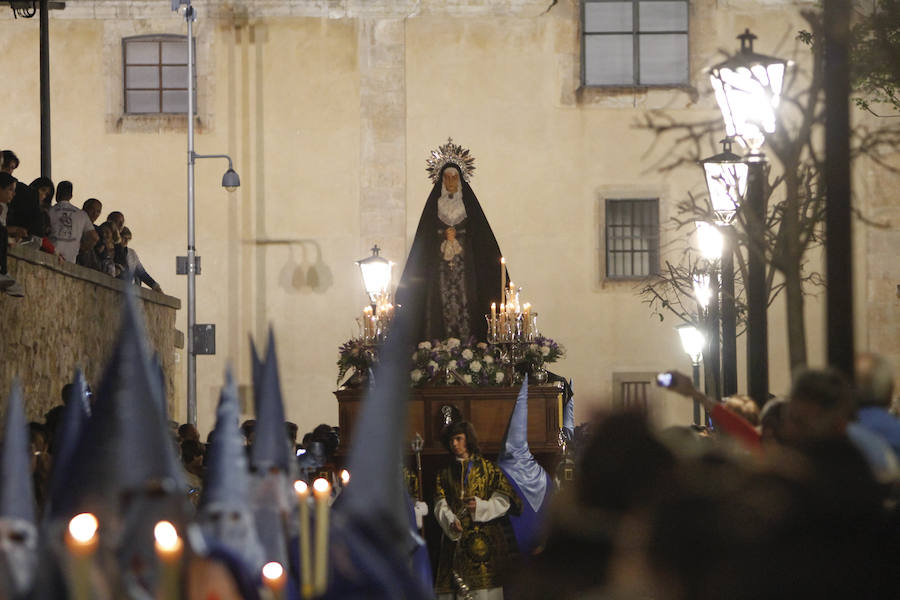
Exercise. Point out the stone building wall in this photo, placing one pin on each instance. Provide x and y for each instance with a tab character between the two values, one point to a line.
69	318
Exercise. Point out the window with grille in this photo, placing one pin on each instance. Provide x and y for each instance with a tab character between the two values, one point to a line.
632	238
633	391
635	42
155	75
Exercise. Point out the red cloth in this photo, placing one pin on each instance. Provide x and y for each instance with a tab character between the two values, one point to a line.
47	246
736	426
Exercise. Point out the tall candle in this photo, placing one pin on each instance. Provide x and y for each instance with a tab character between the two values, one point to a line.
274	579
169	549
81	542
559	401
306	577
322	492
502	277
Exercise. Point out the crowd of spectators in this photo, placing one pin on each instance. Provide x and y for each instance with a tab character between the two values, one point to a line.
28	216
315	453
804	505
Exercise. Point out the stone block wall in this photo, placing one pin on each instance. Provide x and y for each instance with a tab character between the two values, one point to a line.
69	318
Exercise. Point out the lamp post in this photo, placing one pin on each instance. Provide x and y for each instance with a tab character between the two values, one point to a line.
190	265
726	181
376	274
692	341
747	87
706	292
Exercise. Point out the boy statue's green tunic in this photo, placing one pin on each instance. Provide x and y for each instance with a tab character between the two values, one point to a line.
483	551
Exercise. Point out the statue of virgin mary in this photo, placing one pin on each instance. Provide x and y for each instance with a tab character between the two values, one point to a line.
452	273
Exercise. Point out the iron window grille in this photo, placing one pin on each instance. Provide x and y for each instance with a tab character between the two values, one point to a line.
632	238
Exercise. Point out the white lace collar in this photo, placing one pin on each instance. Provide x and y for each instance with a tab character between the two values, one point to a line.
451	210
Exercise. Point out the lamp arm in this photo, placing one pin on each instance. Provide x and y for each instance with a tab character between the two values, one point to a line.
195	156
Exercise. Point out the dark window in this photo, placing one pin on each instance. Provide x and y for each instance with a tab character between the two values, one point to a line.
634	391
632	238
155	74
635	42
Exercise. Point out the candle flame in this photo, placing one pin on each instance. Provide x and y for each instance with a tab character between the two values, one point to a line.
345	476
272	570
166	536
83	527
321	486
300	487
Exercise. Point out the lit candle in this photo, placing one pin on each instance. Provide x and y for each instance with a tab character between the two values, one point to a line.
493	332
81	541
274	579
559	401
306	580
502	277
169	549
526	309
345	477
322	493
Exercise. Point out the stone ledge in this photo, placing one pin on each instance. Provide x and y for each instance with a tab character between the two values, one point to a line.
52	262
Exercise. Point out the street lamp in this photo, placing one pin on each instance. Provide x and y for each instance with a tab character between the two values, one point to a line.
726	177
190	265
376	274
748	90
692	341
726	180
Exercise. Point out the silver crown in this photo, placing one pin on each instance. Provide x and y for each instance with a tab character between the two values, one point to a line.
447	154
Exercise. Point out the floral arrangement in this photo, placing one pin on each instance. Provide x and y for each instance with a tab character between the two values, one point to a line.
543	350
469	364
356	354
450	361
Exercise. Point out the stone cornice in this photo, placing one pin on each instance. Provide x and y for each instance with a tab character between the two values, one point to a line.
331	9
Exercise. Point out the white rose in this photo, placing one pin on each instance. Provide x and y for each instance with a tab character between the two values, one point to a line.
498	377
467	378
416	375
453	343
475	366
425	345
532	346
489	359
482	345
433	365
415	355
451	364
545	350
467	354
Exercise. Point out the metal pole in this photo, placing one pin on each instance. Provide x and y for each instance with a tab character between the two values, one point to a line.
191	251
712	364
838	218
45	86
729	325
757	291
695	370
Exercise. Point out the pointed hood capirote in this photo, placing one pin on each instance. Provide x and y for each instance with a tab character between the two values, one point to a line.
126	445
68	436
16	489
516	459
569	413
270	447
370	532
526	476
227	479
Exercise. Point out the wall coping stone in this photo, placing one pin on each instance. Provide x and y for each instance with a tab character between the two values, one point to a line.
52	262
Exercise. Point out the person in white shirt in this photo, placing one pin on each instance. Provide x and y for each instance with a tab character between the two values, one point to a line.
67	223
